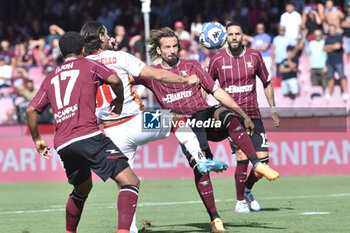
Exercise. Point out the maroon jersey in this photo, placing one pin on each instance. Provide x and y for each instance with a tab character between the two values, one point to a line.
71	89
237	76
181	98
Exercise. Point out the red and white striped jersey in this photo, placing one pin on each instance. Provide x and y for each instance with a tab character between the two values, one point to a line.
237	76
123	64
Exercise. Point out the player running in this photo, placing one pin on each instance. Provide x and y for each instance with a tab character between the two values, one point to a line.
164	44
236	68
71	90
126	130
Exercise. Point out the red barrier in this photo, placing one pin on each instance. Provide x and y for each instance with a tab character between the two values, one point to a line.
291	153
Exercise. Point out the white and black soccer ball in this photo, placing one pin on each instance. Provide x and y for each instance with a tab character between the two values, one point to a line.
213	35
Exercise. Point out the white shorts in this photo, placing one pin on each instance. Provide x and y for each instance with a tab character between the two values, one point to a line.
290	86
130	133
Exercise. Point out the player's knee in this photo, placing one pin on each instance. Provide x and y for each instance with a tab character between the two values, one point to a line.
226	117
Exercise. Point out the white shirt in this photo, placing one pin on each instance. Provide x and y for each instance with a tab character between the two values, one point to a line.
291	21
123	64
6	71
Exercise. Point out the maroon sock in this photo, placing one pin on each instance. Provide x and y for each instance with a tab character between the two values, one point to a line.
205	191
127	201
252	179
74	208
242	140
240	178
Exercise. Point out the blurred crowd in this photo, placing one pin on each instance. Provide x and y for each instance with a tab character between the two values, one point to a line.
283	31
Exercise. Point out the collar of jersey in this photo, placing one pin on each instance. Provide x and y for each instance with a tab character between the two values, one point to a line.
97	53
245	49
170	67
69	59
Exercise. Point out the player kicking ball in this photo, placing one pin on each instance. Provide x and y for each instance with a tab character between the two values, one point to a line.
126	130
165	44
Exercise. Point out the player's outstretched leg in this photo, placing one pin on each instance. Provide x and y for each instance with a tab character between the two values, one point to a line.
238	134
210	166
188	139
205	191
262	169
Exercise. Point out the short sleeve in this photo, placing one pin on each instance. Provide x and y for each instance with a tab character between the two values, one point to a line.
40	100
212	70
131	64
100	71
262	70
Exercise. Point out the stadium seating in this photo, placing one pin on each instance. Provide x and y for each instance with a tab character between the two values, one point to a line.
6	103
36	74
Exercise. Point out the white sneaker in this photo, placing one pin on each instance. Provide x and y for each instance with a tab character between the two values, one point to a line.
345	96
249	197
242	207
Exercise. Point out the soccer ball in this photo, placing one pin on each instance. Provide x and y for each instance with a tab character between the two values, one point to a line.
213	35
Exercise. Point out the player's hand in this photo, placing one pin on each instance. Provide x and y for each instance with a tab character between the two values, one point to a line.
115	108
43	148
114	43
193	80
249	126
275	119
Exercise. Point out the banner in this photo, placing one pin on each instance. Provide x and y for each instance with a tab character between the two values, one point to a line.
291	153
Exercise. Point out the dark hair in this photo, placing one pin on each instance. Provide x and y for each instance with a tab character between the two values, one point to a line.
234	24
154	40
71	43
91	32
290	48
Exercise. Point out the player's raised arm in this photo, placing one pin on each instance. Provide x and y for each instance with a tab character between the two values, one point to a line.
168	77
222	96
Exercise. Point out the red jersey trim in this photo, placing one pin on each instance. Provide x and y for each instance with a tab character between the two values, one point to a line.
118	122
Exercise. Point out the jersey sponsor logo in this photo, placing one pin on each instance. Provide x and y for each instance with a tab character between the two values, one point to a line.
239	89
152	119
184	73
177	96
226	67
108	60
249	64
66	113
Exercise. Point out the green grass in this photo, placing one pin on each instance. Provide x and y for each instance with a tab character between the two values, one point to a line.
39	207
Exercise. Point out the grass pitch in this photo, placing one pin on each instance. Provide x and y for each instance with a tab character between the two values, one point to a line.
290	204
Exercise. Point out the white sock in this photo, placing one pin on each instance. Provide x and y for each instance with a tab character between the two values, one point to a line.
133	226
190	141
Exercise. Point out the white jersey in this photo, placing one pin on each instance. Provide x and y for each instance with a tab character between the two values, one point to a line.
123	64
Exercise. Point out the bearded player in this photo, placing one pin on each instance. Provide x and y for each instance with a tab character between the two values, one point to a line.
165	44
236	68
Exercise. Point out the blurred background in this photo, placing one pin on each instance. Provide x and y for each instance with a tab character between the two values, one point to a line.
30	30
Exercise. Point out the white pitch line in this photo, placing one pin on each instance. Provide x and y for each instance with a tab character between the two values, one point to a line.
313	213
145	204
